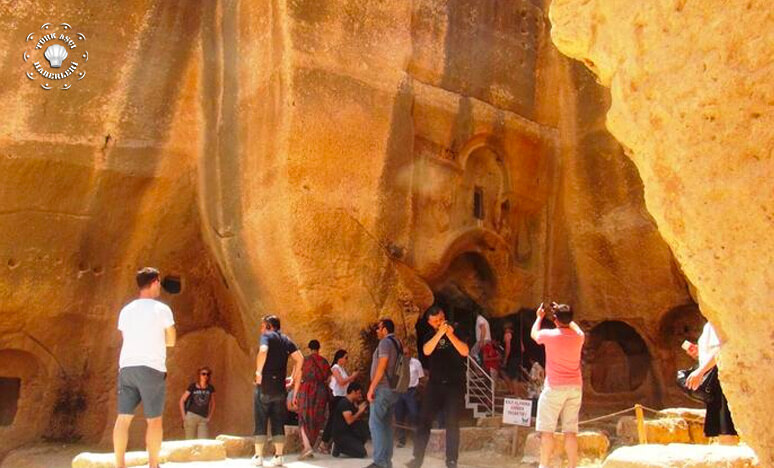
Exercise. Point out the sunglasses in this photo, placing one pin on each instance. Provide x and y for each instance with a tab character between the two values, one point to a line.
204	373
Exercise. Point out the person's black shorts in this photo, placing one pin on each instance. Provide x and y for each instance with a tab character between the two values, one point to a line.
141	383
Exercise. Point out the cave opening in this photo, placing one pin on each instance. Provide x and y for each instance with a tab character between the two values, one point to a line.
617	356
10	388
172	284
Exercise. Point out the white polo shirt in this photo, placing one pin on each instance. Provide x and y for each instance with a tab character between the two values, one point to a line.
142	323
416	372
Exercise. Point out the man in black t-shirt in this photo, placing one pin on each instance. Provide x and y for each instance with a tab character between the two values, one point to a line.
350	432
269	397
444	392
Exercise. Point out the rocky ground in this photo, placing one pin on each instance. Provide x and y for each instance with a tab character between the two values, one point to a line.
60	456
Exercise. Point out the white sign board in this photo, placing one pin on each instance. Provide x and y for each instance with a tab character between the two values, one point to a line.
518	412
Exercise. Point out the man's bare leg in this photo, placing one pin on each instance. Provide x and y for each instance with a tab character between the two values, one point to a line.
279	448
153	436
571	447
121	438
546	448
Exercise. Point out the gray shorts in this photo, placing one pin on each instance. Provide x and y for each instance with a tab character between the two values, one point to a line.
141	383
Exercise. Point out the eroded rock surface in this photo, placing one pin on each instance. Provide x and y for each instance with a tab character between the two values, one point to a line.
329	161
692	100
591	445
682	456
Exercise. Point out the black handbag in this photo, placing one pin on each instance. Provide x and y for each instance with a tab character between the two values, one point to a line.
704	392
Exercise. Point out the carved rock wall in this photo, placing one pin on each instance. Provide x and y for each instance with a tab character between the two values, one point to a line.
692	100
317	159
96	181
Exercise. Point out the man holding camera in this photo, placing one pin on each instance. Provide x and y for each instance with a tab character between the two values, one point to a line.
447	354
562	393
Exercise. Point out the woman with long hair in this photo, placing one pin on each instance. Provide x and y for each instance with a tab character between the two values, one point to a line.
197	404
340	379
312	397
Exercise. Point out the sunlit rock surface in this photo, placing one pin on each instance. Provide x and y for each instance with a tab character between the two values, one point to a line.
692	99
328	161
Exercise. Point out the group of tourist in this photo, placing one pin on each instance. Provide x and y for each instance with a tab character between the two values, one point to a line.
147	326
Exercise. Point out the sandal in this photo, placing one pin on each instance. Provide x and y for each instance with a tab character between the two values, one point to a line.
306	455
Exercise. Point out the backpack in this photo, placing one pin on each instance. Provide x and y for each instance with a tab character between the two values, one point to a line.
401	375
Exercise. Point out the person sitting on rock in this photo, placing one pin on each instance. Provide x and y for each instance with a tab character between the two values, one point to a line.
350	431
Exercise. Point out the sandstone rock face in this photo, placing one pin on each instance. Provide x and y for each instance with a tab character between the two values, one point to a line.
591	445
329	161
691	100
682	456
95	182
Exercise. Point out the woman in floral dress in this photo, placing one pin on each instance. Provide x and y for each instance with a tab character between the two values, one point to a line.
313	397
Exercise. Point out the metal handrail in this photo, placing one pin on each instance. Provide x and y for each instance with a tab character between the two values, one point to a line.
484	391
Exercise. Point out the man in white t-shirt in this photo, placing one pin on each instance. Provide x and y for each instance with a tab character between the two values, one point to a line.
147	328
407	408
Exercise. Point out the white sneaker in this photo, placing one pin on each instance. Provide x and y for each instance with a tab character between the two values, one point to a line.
278	461
257	461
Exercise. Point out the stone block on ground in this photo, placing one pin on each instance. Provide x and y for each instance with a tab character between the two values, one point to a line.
695	419
45	455
685	413
238	446
591	445
108	460
502	439
682	456
657	431
471	438
490	421
244	446
194	450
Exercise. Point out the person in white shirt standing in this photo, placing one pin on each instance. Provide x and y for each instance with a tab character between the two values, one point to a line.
148	328
483	336
407	408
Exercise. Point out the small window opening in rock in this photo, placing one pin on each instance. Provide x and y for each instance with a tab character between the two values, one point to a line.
172	284
9	399
478	203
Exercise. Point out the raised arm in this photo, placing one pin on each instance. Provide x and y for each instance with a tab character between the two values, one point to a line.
458	344
351	418
541	313
430	345
576	328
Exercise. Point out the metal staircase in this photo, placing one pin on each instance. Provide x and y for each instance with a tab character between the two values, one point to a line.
480	390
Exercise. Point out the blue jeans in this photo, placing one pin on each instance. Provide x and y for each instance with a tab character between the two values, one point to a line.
407	411
380	423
